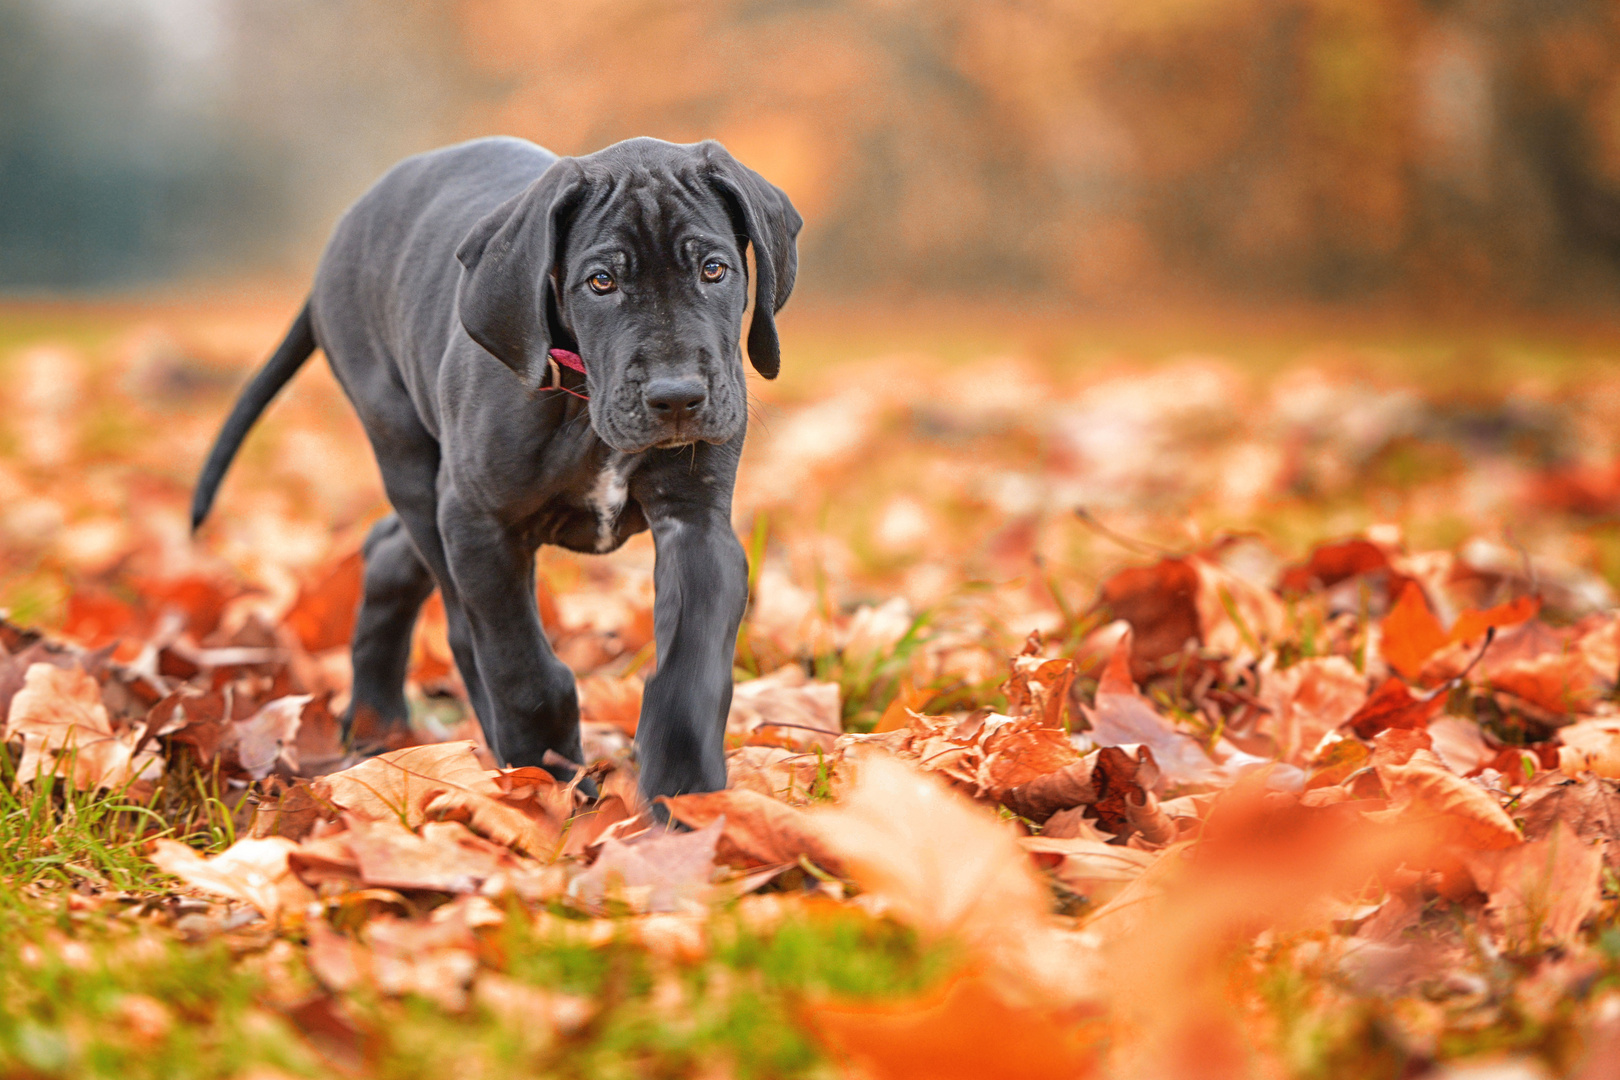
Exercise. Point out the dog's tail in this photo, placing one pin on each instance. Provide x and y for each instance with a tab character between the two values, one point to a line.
295	348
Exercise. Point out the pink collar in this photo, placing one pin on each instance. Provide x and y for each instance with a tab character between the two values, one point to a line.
568	360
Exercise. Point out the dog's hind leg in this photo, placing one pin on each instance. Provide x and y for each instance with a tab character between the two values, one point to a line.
397	582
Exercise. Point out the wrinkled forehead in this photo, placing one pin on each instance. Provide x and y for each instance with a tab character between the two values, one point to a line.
650	210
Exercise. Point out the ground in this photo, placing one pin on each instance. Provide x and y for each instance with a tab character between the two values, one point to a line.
1213	697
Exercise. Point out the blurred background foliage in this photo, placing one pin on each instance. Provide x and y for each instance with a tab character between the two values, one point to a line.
1102	153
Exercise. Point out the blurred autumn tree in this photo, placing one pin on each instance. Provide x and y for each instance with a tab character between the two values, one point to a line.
1100	151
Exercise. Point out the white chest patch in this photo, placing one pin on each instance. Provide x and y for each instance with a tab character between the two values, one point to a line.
606	498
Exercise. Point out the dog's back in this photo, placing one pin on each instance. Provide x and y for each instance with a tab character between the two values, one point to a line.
398	241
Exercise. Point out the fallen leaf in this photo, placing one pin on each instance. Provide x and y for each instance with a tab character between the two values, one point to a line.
785	708
1411	632
656	871
1122	716
1540	891
1587	804
1092	868
611	701
1161	604
1591	746
445	857
962	1031
1038	688
948	868
1393	706
1309	699
759	831
323	615
66	731
252	871
270	736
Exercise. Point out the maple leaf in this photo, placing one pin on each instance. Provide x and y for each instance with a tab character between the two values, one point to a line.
945	866
525	810
444	857
1122	716
1039	687
66	731
785	708
270	736
1309	699
255	872
1411	632
658	870
963	1031
1540	891
759	831
323	615
1587	804
611	701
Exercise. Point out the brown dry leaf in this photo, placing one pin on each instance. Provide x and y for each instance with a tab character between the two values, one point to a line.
1073	785
1426	793
1412	632
785	708
270	736
945	866
1309	699
966	1030
1038	688
1161	604
323	615
436	959
1591	746
658	870
286	810
445	857
1588	805
1020	752
1541	891
759	831
521	808
1092	868
1122	716
611	701
1393	706
252	871
773	771
59	716
1459	744
1330	564
1236	617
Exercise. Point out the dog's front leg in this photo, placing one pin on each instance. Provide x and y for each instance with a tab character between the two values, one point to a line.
532	702
701	578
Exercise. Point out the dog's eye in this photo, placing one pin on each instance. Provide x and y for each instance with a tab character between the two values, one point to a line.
602	282
713	271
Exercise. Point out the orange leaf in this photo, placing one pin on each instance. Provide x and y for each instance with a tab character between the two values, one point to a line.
965	1031
1412	632
1473	624
323	616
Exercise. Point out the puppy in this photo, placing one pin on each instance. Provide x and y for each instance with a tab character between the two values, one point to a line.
546	350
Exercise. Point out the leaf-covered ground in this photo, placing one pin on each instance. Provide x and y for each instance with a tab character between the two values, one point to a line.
1179	704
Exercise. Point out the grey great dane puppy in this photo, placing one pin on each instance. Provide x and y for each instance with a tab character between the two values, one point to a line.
443	302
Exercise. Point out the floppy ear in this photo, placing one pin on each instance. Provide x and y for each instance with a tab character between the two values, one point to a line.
506	281
771	224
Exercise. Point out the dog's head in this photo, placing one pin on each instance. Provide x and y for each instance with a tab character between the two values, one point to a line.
632	257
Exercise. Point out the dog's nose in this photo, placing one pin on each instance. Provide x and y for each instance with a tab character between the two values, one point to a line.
674	399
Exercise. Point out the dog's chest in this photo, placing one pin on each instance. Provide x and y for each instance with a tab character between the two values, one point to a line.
606	499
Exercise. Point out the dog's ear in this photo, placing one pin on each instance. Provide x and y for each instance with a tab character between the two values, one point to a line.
772	225
507	262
